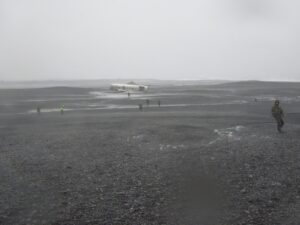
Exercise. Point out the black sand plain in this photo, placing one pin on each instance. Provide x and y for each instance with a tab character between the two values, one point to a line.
209	155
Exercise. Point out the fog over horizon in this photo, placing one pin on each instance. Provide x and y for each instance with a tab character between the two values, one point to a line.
157	39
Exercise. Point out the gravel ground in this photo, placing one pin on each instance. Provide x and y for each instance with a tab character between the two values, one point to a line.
196	163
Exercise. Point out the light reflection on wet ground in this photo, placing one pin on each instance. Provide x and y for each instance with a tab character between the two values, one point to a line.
107	100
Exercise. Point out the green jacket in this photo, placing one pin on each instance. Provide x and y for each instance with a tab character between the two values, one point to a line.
277	111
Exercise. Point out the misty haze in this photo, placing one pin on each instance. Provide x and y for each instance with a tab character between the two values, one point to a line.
149	112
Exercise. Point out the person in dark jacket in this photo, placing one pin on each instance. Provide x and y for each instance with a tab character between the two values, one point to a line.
38	109
278	115
147	102
140	107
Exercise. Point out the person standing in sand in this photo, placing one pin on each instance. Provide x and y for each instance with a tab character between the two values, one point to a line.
141	107
38	109
62	109
147	102
278	114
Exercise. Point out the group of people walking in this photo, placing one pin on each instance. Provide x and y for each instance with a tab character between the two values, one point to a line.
141	106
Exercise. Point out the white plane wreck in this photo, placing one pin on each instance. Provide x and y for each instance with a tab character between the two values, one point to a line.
131	86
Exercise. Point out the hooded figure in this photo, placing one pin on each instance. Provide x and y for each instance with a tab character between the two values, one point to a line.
277	113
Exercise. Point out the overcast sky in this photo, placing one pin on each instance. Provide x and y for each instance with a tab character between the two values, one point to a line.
165	39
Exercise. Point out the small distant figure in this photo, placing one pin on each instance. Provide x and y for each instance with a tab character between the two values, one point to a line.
128	94
159	103
38	110
147	102
62	109
141	107
278	114
255	99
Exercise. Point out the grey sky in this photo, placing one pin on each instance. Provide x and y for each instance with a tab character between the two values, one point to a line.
191	39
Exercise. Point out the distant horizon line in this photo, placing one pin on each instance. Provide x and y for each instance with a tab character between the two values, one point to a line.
154	79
